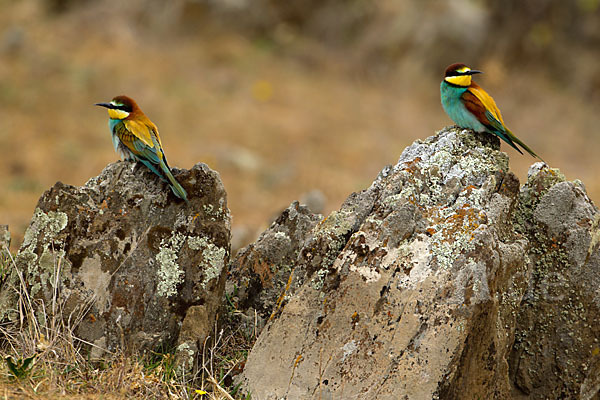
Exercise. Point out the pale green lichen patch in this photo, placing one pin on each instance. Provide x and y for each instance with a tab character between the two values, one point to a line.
45	266
394	200
185	358
214	213
169	272
52	223
338	222
332	232
213	258
5	238
318	279
46	269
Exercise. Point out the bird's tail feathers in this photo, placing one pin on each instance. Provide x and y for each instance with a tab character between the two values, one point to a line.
508	139
177	189
152	167
523	145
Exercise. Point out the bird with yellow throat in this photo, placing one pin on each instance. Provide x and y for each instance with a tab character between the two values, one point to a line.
469	106
136	138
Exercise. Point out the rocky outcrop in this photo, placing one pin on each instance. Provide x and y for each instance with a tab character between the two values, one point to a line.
444	279
125	262
259	275
556	352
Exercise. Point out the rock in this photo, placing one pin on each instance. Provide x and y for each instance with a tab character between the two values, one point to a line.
556	353
4	250
430	284
124	260
4	236
8	279
259	273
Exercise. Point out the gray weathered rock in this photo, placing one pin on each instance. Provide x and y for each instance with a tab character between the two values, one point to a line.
4	249
557	350
4	236
259	273
124	260
418	286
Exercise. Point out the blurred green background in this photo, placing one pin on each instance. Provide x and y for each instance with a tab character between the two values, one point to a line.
286	99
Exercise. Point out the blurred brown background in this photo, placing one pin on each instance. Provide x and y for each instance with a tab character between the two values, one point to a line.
285	97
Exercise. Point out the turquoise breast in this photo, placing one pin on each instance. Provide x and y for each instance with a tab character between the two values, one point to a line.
455	108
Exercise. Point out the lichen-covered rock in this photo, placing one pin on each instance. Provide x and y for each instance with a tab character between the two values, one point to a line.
4	251
8	279
414	288
123	259
557	346
259	274
4	237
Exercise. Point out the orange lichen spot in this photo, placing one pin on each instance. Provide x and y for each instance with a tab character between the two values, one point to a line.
411	166
298	360
282	296
92	318
103	205
195	216
431	231
596	351
355	318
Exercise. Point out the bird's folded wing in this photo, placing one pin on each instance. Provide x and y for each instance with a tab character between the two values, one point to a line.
140	130
139	147
478	102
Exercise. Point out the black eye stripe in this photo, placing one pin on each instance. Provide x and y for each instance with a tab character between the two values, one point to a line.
456	73
123	107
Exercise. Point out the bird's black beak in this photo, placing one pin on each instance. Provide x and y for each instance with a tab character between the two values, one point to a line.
474	71
107	105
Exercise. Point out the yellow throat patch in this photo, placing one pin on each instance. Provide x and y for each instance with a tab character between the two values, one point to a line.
117	114
460	80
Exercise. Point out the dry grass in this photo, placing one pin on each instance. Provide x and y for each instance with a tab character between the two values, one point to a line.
60	368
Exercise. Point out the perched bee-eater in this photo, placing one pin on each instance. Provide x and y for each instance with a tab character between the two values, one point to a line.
469	106
136	138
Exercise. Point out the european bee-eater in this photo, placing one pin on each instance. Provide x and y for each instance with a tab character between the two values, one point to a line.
136	138
469	106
